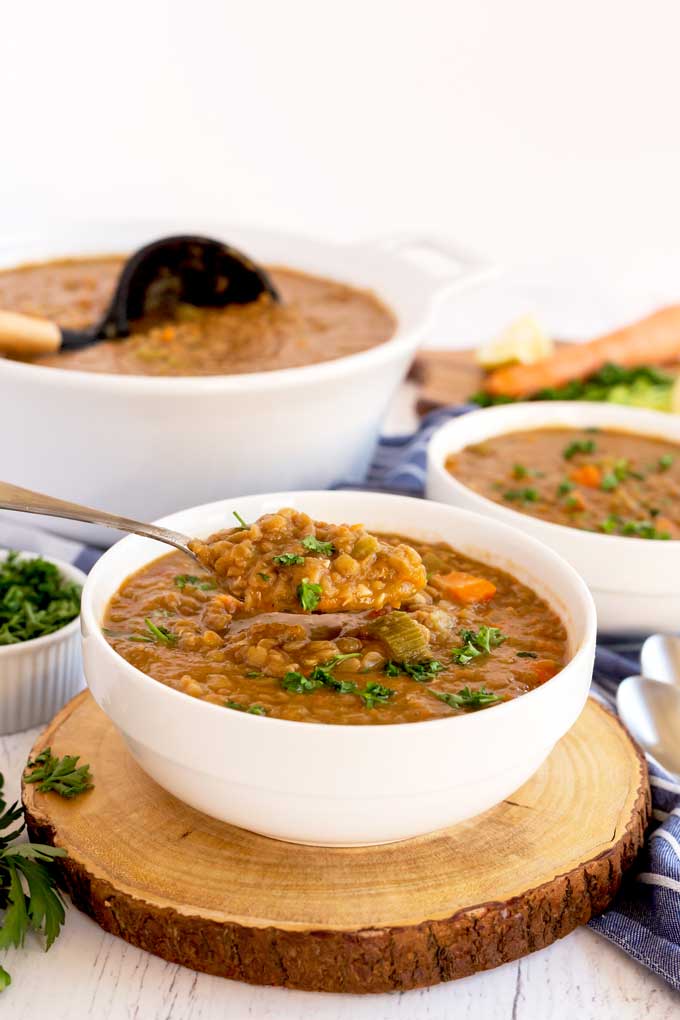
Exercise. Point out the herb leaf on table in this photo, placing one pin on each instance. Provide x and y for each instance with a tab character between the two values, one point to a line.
59	775
29	898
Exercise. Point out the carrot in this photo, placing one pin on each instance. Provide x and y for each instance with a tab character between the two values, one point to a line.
544	669
464	588
651	341
588	475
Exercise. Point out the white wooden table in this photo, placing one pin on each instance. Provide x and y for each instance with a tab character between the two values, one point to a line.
90	975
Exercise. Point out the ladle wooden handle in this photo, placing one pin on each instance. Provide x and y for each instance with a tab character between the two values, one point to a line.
28	334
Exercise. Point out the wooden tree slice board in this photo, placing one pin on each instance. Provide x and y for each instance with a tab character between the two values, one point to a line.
219	899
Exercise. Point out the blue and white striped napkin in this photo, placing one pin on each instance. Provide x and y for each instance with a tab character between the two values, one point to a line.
644	920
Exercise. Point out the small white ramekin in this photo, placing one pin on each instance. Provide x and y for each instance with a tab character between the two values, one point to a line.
635	583
37	677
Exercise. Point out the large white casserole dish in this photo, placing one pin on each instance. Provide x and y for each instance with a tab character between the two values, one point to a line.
331	784
635	582
116	441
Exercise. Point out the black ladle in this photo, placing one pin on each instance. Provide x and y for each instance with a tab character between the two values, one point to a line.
184	269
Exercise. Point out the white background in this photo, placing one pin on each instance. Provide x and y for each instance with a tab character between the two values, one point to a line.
544	134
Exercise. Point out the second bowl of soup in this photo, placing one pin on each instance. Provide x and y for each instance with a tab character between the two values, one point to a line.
597	482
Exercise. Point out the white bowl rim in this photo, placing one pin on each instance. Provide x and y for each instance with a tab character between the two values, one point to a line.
281	378
69	571
439	449
94	626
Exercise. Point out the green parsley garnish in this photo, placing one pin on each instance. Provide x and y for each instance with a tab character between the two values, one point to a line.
578	446
34	599
324	675
665	462
573	503
59	775
309	594
252	674
315	545
376	694
519	471
250	709
265	577
565	487
609	482
242	524
182	580
298	683
160	634
468	698
615	525
288	559
25	866
321	676
521	495
421	671
481	642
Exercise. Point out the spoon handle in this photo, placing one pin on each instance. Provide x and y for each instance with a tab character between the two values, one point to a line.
13	497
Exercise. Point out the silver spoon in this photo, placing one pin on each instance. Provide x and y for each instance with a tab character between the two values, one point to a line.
650	709
13	497
660	658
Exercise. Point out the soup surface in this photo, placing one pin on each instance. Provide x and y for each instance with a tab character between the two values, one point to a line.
318	320
451	635
616	483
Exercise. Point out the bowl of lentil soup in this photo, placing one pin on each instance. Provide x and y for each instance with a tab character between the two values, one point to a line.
598	483
335	683
285	383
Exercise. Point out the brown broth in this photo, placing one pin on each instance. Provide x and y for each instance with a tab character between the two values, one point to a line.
246	660
597	480
318	320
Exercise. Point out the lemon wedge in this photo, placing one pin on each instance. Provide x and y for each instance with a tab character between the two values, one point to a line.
524	340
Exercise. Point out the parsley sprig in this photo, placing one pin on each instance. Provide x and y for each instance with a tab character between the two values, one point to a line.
320	676
29	898
34	599
204	584
422	671
315	545
254	709
468	698
374	693
309	594
59	775
288	559
476	643
615	525
578	446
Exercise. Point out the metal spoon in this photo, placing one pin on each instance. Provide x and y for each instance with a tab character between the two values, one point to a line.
13	497
650	710
192	270
660	658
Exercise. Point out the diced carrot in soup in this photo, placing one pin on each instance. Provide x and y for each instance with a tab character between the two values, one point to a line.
464	588
545	669
588	475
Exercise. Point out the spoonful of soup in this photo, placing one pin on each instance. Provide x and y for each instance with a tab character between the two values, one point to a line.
284	562
173	271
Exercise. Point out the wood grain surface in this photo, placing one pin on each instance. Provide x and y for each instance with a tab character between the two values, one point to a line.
226	901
